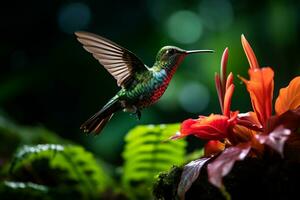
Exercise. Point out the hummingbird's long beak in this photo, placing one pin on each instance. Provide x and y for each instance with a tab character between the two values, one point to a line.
199	51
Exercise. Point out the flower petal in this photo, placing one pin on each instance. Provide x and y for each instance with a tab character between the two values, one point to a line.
222	165
240	134
249	53
229	81
250	121
213	147
189	174
221	80
177	135
289	97
260	87
213	127
219	90
223	73
227	100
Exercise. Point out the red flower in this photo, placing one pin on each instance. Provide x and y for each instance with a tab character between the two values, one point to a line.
260	86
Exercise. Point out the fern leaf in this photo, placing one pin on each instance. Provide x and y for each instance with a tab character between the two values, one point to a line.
60	166
19	190
12	136
147	153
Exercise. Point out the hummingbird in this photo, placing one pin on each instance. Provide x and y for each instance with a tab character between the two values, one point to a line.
141	86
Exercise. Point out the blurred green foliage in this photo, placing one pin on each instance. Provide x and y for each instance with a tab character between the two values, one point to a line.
66	168
67	171
20	190
13	136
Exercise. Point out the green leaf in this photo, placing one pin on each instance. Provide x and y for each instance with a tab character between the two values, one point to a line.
146	154
66	168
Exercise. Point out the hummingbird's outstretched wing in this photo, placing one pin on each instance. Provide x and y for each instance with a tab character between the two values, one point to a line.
118	61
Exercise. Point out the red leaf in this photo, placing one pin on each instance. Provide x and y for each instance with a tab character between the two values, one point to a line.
276	139
222	165
189	174
290	120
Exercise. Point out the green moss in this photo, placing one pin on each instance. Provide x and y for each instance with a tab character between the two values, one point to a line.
165	186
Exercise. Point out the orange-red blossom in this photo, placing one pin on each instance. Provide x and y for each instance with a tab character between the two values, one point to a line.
231	128
232	136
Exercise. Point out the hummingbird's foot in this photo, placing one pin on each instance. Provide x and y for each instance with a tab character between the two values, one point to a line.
134	111
138	114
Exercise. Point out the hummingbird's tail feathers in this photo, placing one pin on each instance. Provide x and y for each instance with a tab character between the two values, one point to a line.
97	125
97	122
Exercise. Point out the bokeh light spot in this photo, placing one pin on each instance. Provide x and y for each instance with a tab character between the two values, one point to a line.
184	27
216	14
194	97
282	24
74	17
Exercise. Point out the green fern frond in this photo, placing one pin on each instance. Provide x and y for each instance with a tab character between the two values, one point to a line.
60	166
19	190
12	136
147	152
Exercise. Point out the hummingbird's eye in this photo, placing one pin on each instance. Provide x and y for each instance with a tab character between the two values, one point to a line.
170	51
